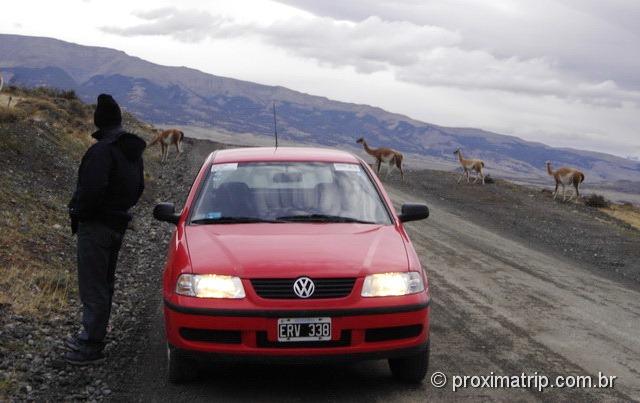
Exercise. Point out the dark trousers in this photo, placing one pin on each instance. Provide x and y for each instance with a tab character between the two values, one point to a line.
98	247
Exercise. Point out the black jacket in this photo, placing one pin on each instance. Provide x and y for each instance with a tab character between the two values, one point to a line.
110	179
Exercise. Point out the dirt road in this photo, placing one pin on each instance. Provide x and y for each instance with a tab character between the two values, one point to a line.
501	306
498	305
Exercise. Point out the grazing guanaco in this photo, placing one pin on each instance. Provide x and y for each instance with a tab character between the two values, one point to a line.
470	165
384	154
166	138
566	176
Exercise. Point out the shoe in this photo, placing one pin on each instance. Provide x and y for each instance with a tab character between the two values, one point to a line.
77	344
84	357
74	343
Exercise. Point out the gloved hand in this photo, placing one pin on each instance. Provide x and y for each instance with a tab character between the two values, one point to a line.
74	221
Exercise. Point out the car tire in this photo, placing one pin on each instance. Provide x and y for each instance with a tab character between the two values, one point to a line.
410	369
180	367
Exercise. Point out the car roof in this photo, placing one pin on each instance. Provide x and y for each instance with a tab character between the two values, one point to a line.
292	154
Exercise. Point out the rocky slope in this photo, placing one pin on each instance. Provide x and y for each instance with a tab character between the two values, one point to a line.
41	142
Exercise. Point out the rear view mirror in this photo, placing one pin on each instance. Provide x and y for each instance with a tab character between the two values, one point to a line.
166	212
287	177
413	212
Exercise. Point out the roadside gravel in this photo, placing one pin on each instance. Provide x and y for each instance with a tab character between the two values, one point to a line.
31	349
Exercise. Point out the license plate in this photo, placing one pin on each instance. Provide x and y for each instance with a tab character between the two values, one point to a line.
304	329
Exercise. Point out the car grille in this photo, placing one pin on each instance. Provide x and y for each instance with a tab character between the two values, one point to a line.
282	288
211	336
392	333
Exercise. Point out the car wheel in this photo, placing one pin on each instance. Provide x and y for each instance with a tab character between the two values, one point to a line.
180	367
410	369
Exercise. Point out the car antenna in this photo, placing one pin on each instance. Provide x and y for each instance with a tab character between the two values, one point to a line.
275	127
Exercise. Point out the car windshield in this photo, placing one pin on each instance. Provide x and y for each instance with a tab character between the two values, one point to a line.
276	192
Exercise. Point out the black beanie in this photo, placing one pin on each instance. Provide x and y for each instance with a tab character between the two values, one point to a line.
107	112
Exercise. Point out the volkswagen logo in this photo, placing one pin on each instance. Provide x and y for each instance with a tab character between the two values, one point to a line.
304	287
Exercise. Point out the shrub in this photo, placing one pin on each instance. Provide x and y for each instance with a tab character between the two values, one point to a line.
43	109
52	92
71	94
9	115
596	200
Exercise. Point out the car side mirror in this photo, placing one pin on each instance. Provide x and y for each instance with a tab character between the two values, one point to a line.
413	212
166	212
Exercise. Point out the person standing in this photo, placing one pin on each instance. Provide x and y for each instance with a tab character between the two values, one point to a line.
110	182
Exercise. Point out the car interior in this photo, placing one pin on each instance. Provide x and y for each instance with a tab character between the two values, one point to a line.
342	195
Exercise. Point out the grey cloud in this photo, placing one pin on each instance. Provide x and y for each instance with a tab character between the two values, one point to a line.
591	38
422	54
429	56
183	25
370	45
473	70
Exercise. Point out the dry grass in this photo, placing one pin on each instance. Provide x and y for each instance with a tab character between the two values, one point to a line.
62	112
624	212
76	141
42	109
35	290
35	254
9	115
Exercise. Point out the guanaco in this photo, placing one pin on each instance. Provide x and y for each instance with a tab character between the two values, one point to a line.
384	154
166	138
566	176
470	165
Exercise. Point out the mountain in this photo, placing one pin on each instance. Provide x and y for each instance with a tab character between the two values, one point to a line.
184	96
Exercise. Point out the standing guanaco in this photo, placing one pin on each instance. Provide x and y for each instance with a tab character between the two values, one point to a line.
566	176
384	154
470	165
166	138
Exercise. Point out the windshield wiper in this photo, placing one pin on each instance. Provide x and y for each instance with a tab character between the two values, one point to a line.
233	220
323	218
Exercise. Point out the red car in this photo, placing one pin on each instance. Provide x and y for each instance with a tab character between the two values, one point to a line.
293	254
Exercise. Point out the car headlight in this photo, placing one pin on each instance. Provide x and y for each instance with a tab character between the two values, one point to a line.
210	286
388	284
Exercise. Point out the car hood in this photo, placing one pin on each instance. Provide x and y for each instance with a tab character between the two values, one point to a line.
291	250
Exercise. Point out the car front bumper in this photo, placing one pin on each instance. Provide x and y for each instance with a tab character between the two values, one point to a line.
371	332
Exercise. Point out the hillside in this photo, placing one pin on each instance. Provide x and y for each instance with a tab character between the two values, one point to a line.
42	138
183	96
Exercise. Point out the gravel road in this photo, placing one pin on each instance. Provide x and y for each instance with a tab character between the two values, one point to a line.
501	303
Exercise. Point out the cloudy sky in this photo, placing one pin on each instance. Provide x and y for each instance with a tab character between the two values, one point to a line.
565	72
